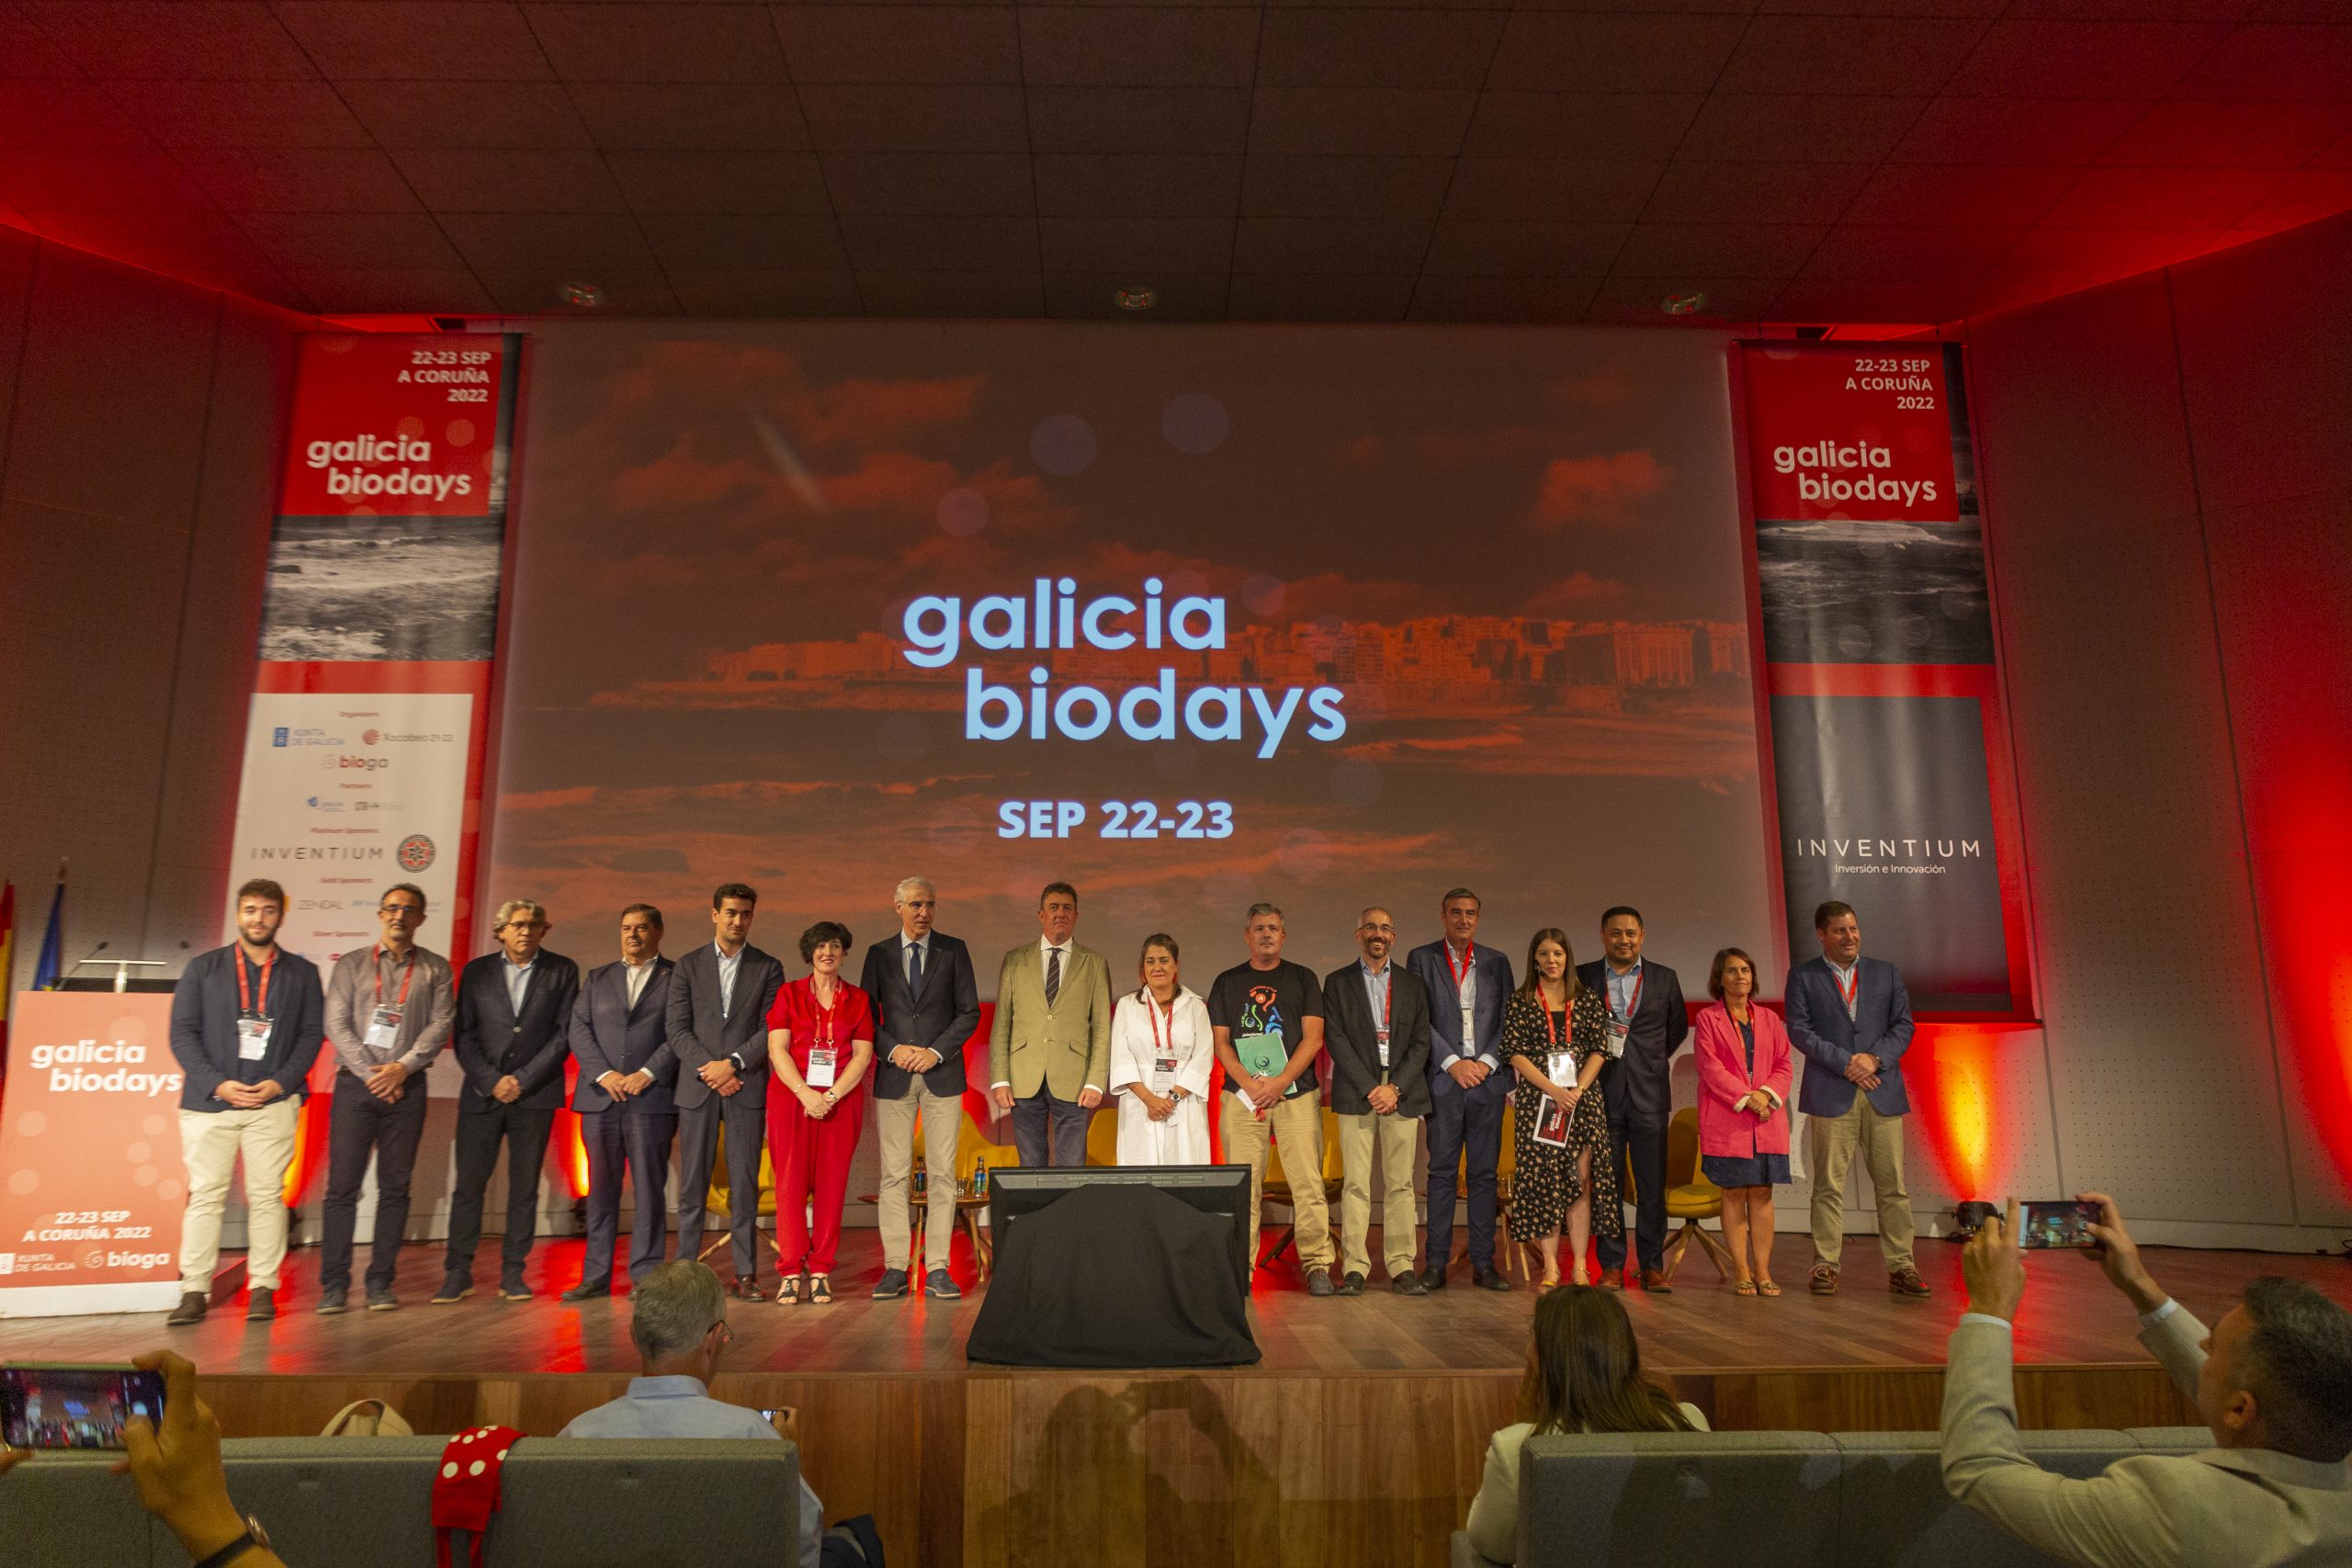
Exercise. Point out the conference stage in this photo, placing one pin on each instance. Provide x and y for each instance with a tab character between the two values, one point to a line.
1358	1442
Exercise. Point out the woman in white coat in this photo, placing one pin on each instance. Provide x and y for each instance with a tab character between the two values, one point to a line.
1162	1061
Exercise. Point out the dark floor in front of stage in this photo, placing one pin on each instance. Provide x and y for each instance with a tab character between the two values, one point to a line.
2071	1315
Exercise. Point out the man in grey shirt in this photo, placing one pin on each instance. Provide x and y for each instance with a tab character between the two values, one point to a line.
390	1007
678	1318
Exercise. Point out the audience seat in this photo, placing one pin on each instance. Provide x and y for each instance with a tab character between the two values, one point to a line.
366	1503
1847	1500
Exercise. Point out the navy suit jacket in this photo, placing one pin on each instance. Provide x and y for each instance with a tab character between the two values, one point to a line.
204	1026
1431	961
610	1036
943	1018
1818	1027
700	1036
1643	1082
491	1041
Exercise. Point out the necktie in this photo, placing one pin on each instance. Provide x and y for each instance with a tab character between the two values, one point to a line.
1052	974
914	968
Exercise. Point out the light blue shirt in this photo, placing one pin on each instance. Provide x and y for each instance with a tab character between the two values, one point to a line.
518	981
1622	989
681	1407
1845	982
728	965
1375	986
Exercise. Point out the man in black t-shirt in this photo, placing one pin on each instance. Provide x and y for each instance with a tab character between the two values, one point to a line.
1267	1018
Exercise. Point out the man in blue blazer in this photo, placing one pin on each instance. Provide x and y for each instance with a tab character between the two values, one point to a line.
620	1036
1468	1088
1851	1018
719	997
926	1005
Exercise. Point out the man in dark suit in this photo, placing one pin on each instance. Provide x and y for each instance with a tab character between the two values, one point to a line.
1851	1018
1377	1026
719	997
926	1006
513	1012
620	1035
1649	1021
1467	984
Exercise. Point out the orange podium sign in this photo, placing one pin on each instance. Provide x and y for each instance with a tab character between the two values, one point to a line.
91	1183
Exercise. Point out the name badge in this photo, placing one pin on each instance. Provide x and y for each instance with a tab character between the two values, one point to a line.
1469	1034
252	1039
1614	1042
821	1066
1381	1035
384	1029
1561	1067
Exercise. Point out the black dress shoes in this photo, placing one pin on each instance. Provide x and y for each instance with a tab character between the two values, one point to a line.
1489	1280
1407	1285
586	1292
1433	1278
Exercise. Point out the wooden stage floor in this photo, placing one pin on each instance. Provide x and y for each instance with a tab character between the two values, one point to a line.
1358	1441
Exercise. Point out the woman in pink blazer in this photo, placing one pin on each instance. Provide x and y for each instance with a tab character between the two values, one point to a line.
1744	1066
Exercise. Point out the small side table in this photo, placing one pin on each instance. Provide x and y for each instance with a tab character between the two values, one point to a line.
969	1208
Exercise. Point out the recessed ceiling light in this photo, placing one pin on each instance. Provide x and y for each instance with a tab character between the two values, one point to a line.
587	296
1137	296
1688	302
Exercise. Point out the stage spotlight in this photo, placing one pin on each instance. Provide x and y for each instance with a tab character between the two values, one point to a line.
1139	296
586	296
1688	302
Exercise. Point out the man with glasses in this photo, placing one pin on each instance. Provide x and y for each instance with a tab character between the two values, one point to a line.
390	1007
513	1009
678	1319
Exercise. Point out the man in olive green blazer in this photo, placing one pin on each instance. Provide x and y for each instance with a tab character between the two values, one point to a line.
1049	1052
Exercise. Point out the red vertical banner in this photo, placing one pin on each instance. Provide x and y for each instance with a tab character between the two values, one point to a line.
1890	756
365	742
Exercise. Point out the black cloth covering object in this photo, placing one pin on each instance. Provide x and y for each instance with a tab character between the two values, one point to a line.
1114	1276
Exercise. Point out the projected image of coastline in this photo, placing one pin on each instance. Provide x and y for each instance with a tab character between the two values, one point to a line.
1191	619
1850	592
382	587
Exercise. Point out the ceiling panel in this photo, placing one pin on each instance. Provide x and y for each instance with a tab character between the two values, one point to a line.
1426	160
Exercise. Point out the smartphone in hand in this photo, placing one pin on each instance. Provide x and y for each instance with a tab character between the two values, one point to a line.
50	1405
2060	1223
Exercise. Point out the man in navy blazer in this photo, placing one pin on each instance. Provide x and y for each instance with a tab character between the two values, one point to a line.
620	1036
247	1022
1468	1088
1851	1018
926	1005
514	1017
1649	1021
719	997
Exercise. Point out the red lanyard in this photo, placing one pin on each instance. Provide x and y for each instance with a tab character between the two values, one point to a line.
1469	961
245	987
1634	1003
1167	1048
1849	990
408	973
831	1017
1544	1005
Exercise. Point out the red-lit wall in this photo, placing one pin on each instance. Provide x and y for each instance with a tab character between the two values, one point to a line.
2168	482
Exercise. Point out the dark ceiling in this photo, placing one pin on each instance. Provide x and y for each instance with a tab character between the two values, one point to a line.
1904	161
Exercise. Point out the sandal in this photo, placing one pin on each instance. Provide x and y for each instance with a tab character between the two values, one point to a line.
1767	1288
789	1293
820	1290
1743	1288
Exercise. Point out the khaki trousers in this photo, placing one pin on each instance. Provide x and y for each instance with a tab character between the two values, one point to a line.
1398	1138
1830	1142
1297	1124
942	1124
211	1142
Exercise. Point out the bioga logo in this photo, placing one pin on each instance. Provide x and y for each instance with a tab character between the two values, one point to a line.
363	764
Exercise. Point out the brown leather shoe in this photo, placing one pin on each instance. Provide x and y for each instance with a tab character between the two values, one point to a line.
1825	1279
1655	1281
1612	1278
1907	1282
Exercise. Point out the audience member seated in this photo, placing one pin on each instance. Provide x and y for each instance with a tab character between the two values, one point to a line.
678	1318
178	1470
2273	1380
1584	1374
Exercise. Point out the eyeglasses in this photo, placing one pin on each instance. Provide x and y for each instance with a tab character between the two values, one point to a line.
400	908
726	1335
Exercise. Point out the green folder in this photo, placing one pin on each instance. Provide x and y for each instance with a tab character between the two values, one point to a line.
1263	1055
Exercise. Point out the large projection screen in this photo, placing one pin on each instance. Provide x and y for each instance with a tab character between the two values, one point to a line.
1432	606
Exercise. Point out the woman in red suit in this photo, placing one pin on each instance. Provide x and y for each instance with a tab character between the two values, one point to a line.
820	1042
1744	1067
